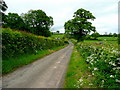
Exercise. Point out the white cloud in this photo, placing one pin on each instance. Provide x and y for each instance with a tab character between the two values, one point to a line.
105	11
113	7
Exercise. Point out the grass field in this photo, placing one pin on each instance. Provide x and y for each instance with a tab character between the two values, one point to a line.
58	36
104	40
107	38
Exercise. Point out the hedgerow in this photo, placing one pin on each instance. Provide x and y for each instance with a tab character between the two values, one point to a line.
103	61
16	43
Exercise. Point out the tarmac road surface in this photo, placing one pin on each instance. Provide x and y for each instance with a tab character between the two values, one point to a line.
48	72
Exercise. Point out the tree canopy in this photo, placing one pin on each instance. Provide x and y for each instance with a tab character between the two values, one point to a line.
3	6
95	35
13	21
34	21
80	25
38	22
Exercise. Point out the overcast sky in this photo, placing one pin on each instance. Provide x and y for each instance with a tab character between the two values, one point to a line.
105	11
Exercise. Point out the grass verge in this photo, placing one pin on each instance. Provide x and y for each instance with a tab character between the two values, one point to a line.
77	75
104	42
13	63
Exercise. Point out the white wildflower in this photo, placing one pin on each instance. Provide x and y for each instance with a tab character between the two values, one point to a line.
114	51
114	68
105	60
113	64
118	58
90	84
117	80
118	68
111	76
91	63
93	74
102	81
110	63
89	75
95	69
80	79
81	84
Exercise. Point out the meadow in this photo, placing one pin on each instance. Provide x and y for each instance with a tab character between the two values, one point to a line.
107	38
60	36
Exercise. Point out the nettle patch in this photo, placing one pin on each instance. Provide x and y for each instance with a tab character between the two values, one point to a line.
104	64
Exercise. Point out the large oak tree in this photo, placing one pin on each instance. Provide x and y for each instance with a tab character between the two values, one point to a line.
80	25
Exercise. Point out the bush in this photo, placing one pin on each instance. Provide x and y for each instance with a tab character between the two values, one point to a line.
16	43
88	37
95	35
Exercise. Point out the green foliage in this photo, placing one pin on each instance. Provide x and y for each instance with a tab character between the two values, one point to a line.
104	42
57	36
58	32
13	21
16	43
103	61
108	38
118	38
38	22
74	41
79	27
95	35
3	6
35	21
115	35
88	37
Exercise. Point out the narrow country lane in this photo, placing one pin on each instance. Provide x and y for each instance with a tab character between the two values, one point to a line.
47	72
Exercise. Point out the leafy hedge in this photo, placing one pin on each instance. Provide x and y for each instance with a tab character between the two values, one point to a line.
16	43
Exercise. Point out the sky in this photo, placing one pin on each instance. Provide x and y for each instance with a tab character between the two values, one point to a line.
105	11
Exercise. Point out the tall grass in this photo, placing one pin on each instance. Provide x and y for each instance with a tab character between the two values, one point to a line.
77	75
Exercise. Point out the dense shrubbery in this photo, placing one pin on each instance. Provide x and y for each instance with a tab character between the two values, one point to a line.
103	63
16	43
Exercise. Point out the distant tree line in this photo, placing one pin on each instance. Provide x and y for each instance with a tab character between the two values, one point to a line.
95	35
34	21
109	35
